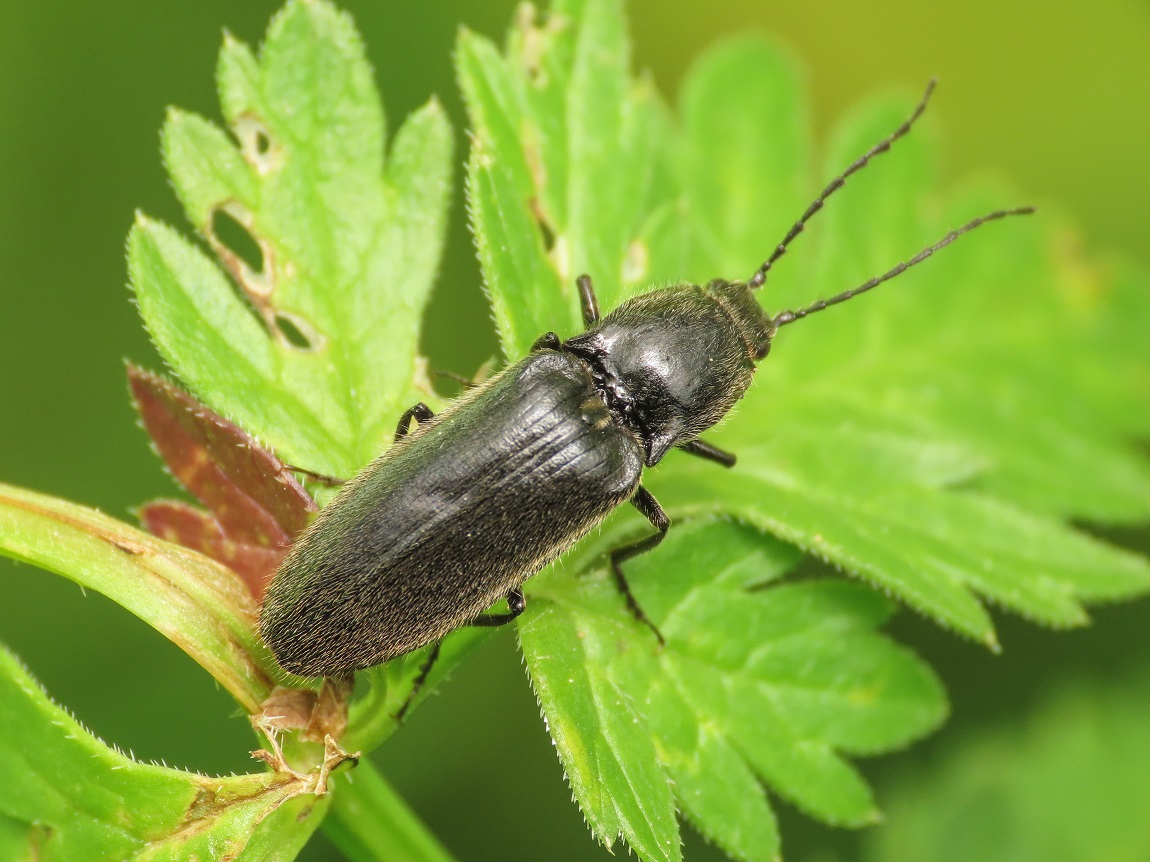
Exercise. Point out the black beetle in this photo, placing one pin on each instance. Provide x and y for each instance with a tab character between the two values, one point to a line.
457	515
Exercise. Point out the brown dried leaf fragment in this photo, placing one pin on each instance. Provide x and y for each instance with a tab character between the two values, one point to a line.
317	714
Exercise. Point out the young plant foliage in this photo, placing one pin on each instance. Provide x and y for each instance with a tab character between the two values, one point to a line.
66	795
907	440
315	353
760	681
933	440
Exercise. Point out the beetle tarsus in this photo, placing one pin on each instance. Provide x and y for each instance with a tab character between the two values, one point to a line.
646	503
420	679
516	605
419	411
711	453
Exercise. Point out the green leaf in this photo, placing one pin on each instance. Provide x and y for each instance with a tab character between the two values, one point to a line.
595	722
562	177
848	397
200	605
744	161
68	796
759	681
499	200
1029	563
315	351
933	439
1067	782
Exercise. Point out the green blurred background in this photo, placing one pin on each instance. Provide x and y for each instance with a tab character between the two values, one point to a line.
1055	96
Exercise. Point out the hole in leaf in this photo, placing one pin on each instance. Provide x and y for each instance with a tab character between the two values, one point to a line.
256	143
544	224
535	38
292	332
238	240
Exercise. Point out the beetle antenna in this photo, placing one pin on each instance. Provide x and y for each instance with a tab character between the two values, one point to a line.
837	183
785	317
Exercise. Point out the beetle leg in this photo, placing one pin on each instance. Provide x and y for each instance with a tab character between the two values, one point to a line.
516	605
646	503
711	453
323	479
420	412
587	300
546	341
465	382
420	679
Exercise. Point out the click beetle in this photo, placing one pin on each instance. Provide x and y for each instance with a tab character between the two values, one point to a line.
472	502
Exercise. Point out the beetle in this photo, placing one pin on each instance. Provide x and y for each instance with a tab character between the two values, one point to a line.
470	503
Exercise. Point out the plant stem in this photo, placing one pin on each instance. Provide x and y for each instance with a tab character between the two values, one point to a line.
369	821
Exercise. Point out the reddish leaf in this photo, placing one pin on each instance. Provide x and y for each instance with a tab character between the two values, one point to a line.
195	528
256	505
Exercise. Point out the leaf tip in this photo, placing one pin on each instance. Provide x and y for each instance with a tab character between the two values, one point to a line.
465	39
136	374
143	226
433	107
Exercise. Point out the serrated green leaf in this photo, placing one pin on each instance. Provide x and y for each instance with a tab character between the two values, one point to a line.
499	193
771	683
67	796
609	756
200	605
745	161
1031	564
930	439
866	422
566	151
349	245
